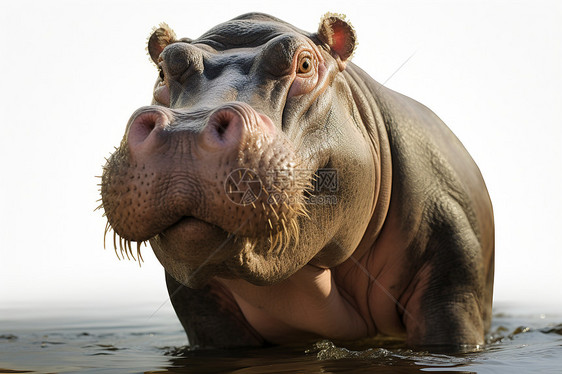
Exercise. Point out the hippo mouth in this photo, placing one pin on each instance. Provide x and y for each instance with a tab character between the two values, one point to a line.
191	226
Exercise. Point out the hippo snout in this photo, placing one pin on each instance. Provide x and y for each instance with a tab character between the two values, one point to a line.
210	166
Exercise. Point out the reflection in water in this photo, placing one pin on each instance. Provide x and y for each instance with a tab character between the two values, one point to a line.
155	345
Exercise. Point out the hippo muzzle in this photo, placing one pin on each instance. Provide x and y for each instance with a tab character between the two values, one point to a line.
190	165
199	176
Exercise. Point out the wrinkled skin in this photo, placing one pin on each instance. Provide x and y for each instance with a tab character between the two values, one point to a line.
402	244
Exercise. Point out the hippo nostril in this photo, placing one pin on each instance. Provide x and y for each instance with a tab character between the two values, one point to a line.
145	127
222	126
144	124
231	125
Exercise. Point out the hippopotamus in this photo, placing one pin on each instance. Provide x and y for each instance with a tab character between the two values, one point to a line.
289	196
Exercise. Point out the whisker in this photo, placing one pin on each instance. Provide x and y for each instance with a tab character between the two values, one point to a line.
128	243
282	242
295	230
115	245
121	248
107	228
139	255
275	213
303	212
273	242
270	242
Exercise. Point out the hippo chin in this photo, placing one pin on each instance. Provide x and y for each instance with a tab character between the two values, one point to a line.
289	196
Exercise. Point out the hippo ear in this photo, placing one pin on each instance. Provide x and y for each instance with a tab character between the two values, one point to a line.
159	39
337	33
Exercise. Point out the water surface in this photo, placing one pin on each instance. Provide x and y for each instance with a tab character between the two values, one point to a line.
146	340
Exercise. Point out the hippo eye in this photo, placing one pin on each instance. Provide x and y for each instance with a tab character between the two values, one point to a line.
305	63
161	73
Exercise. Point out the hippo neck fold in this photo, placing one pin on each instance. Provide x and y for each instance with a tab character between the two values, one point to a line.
364	90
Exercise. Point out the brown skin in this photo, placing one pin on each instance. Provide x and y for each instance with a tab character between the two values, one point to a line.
407	249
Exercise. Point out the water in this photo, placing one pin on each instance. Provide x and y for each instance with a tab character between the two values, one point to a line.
135	340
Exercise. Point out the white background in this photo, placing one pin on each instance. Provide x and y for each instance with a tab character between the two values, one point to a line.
73	72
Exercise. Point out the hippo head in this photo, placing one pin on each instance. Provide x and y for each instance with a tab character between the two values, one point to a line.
252	160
